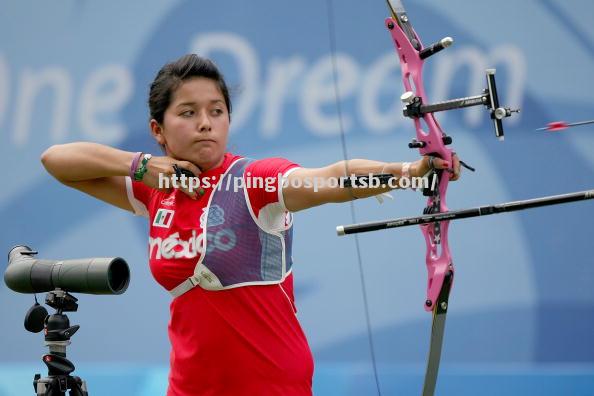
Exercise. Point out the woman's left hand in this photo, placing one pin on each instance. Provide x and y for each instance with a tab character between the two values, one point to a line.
421	167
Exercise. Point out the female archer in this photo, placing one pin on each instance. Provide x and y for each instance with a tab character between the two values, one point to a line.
223	253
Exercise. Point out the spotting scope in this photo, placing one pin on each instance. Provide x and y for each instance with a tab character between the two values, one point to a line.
27	274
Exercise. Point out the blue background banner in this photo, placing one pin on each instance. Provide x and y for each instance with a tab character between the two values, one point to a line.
521	313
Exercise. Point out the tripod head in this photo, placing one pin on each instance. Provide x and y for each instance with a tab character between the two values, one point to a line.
57	326
61	300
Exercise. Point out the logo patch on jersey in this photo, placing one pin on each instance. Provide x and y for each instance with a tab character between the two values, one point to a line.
163	218
170	201
216	216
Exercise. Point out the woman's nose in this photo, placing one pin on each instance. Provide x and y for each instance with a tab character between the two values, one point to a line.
203	122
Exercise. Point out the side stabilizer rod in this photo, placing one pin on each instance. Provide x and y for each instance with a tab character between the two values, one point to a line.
465	213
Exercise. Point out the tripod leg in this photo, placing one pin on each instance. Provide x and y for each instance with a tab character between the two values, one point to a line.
42	385
78	387
37	385
52	386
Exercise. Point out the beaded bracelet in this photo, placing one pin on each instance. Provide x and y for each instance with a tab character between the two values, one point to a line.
134	164
139	174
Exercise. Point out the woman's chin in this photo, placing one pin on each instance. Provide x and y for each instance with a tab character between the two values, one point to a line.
207	159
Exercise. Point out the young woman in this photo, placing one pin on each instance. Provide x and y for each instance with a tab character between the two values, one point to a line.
223	248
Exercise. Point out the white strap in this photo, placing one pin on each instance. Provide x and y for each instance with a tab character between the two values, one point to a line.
185	286
406	170
380	197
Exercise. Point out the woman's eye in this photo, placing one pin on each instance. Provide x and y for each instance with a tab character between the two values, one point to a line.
217	111
187	113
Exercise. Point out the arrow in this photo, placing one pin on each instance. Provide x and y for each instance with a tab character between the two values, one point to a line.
557	126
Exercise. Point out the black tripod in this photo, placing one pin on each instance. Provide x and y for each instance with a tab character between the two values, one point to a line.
57	337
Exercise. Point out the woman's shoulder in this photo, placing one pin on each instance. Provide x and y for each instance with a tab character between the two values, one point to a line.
270	164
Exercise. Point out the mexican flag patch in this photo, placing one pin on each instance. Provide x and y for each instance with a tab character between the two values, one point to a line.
163	218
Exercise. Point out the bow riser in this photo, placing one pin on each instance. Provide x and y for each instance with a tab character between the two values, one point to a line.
438	258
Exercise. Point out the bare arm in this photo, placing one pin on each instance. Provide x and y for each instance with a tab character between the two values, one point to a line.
92	168
101	171
299	198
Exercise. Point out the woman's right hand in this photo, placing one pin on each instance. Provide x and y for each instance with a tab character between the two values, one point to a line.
160	170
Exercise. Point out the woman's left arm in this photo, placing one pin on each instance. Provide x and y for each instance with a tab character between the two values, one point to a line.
301	191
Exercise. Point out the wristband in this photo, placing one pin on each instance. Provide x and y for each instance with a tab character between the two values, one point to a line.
406	170
139	174
134	164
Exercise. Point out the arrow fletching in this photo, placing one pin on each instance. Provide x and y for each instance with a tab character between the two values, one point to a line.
557	126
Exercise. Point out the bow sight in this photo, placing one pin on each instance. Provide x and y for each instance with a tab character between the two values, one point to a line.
489	98
415	108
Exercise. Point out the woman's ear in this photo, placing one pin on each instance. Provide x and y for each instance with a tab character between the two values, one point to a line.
157	132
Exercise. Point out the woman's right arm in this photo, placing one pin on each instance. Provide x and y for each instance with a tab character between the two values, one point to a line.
92	168
101	171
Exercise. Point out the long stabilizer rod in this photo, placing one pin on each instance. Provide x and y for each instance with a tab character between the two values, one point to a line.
465	213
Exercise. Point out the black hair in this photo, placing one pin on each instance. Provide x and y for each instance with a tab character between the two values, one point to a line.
173	74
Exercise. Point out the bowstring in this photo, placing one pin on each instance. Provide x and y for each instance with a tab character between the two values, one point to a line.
332	41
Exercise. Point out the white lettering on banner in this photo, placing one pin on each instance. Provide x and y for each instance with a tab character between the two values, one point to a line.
282	76
104	94
175	247
271	88
319	91
247	62
380	79
30	86
106	91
